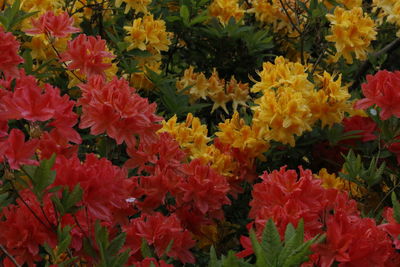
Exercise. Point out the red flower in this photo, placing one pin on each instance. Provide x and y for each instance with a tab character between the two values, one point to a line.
203	189
287	198
364	124
392	227
22	233
9	59
162	162
87	54
382	89
353	241
114	107
55	25
159	231
105	186
17	151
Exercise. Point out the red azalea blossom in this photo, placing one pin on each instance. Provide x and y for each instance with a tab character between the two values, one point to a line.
87	54
9	59
17	151
55	25
30	102
162	162
159	231
204	189
105	186
114	107
394	147
382	89
392	227
353	241
21	233
287	198
364	124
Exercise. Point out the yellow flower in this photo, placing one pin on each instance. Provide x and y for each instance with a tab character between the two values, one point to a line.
331	101
198	86
226	9
282	73
391	10
42	48
283	109
137	5
191	135
285	112
352	32
238	92
139	79
40	5
148	34
331	181
272	13
239	135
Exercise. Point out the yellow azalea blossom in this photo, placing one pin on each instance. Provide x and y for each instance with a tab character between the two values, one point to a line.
40	6
220	92
237	134
226	9
222	163
332	181
390	9
192	138
148	34
331	101
191	135
42	48
352	32
139	79
272	13
216	91
285	112
136	5
280	73
238	92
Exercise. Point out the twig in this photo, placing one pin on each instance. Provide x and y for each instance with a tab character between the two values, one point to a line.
9	256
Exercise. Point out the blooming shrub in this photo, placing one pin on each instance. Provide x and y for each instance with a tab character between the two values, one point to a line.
213	132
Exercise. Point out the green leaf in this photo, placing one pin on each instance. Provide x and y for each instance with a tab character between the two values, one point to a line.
74	197
396	208
146	250
3	198
271	241
213	258
64	239
261	259
43	176
292	243
184	13
116	244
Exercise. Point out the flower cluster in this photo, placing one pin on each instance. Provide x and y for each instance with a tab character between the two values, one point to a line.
390	9
290	105
226	9
148	34
197	86
352	32
10	59
114	108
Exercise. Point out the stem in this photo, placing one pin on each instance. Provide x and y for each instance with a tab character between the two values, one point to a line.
9	256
